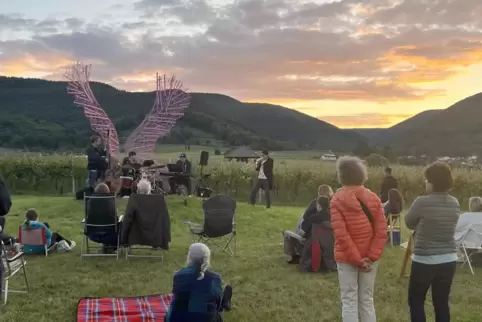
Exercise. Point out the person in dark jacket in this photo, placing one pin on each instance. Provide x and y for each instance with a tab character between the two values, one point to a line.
264	180
96	161
5	205
185	179
146	221
389	182
102	212
198	294
294	242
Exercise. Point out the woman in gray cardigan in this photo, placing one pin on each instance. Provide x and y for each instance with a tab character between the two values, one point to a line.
433	217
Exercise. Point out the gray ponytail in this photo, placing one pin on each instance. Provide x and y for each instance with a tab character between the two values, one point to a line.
199	256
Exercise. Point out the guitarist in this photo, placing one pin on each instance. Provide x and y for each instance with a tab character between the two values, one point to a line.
96	161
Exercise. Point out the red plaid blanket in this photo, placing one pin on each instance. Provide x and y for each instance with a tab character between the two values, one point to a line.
125	309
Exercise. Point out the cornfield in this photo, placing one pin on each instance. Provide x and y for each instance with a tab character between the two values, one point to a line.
296	181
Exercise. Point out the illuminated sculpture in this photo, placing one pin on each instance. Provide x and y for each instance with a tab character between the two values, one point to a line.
170	104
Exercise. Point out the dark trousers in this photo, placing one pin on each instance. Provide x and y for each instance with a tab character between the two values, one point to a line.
264	184
180	181
55	236
439	277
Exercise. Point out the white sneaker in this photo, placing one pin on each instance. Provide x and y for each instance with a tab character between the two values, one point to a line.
63	246
72	244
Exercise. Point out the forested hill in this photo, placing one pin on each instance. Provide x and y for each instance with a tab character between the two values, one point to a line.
39	114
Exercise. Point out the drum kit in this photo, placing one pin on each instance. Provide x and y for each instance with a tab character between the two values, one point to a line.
135	172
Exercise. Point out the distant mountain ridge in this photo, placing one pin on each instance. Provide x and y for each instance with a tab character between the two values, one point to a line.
454	131
39	114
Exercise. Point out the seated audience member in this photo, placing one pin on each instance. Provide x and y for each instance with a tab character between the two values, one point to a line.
101	212
31	222
394	204
294	242
433	217
323	190
144	187
146	221
466	220
198	294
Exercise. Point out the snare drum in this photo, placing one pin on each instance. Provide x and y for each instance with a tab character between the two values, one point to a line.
126	186
127	182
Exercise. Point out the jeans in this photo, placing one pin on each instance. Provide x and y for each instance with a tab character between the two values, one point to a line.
424	276
356	288
261	183
92	178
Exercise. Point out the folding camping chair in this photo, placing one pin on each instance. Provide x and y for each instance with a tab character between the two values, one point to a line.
34	237
471	244
109	224
11	266
219	223
146	226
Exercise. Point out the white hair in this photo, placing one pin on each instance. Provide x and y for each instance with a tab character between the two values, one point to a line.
475	204
199	256
144	187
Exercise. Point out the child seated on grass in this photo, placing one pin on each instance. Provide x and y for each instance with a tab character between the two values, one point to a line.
31	222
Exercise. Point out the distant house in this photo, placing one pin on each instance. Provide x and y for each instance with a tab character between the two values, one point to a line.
328	156
241	154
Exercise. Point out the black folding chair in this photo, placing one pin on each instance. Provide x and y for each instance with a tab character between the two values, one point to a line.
109	223
219	224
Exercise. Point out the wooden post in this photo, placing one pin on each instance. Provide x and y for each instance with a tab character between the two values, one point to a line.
406	259
73	176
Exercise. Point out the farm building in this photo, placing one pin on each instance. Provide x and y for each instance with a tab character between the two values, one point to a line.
241	154
328	156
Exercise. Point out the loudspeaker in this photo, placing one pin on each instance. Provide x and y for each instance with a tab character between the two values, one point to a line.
204	158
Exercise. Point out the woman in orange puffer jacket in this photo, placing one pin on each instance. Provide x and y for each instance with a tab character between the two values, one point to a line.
360	228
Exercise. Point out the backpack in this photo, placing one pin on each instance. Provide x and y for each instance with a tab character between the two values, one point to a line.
318	251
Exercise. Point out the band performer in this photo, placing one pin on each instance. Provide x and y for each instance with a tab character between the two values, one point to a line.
185	176
264	180
130	159
96	161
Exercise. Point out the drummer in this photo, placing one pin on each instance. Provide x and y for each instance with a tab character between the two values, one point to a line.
131	159
127	164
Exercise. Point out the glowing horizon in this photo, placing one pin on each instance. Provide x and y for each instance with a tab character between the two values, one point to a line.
354	65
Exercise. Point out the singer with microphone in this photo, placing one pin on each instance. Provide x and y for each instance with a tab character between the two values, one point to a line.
96	162
264	180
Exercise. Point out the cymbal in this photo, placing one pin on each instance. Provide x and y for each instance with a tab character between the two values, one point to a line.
135	166
160	166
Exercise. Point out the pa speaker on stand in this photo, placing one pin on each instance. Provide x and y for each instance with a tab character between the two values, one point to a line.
202	187
203	160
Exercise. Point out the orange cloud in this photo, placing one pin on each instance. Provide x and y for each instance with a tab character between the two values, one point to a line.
364	120
37	65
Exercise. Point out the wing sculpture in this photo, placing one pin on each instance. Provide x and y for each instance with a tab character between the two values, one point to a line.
78	76
169	106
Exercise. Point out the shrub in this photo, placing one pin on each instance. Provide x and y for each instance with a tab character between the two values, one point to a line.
376	160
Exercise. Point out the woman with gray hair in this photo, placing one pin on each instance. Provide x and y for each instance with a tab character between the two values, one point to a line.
358	221
197	291
144	187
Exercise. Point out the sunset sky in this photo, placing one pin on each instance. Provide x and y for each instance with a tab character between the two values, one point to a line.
353	63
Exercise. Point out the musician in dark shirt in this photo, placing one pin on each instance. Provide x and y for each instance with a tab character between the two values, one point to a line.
131	159
184	178
96	161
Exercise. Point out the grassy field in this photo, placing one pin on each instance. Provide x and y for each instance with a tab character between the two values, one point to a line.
265	288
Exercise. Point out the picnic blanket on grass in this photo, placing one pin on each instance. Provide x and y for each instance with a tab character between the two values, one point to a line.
124	309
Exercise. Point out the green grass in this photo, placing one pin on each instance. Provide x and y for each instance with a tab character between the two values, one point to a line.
265	288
